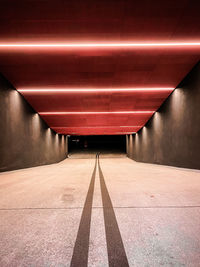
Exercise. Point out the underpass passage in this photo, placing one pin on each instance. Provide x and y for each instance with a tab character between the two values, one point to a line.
155	209
89	146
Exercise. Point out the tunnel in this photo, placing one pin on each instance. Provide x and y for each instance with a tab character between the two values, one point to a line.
88	146
99	133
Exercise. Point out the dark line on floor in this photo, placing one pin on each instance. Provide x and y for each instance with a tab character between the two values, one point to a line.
81	248
115	247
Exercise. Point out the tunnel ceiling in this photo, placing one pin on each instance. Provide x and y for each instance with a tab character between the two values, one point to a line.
98	67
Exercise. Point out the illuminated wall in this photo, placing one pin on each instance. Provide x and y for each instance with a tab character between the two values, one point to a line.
172	135
25	140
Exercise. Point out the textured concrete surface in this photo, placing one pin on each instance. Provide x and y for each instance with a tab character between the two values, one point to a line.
91	153
157	210
25	139
171	136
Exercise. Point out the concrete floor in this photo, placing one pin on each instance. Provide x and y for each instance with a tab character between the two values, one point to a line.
90	153
155	214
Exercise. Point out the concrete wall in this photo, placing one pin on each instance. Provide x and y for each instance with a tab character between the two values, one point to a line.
25	139
172	135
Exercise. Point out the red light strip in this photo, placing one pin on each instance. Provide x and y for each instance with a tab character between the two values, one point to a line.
98	45
83	90
125	132
122	133
95	112
95	127
131	126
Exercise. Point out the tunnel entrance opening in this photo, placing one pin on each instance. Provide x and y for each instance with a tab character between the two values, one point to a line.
88	146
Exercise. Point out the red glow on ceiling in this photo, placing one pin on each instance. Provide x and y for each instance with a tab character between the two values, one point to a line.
120	60
96	130
97	127
89	90
99	45
96	112
96	120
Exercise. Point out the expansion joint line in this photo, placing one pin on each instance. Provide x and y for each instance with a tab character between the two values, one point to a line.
115	247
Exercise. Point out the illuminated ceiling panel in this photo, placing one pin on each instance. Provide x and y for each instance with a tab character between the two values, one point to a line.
91	67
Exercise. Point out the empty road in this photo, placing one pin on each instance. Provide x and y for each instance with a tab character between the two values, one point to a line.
100	212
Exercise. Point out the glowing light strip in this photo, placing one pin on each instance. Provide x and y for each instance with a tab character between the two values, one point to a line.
97	45
96	112
131	126
94	127
83	90
125	132
103	133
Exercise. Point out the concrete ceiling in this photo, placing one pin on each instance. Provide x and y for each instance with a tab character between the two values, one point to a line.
34	54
